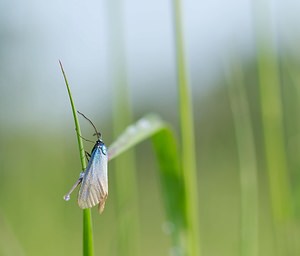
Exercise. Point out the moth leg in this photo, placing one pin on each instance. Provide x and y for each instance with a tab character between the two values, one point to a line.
77	183
87	155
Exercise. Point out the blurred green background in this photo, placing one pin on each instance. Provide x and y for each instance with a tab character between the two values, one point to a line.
229	45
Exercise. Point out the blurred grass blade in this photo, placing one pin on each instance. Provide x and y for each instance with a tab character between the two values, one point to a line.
187	137
172	185
134	134
151	126
271	103
272	118
247	161
125	183
88	248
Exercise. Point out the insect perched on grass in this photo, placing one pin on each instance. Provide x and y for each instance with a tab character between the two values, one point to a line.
93	180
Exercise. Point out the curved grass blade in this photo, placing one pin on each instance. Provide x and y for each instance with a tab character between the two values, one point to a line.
138	132
87	217
77	126
165	145
173	189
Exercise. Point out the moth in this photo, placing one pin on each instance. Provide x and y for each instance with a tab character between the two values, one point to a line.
93	180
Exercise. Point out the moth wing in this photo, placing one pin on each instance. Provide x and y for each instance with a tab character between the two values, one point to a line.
94	187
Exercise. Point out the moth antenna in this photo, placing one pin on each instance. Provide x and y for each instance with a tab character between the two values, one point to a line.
97	133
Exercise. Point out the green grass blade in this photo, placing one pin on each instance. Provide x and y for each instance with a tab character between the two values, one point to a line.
77	126
247	162
88	248
134	134
126	188
271	103
172	185
151	126
188	138
271	108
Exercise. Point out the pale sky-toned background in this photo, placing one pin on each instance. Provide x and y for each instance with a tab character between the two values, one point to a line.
35	34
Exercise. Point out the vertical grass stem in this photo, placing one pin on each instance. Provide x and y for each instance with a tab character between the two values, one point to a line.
126	183
189	171
88	248
273	128
247	162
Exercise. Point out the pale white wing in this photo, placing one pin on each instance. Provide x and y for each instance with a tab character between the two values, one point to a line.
94	187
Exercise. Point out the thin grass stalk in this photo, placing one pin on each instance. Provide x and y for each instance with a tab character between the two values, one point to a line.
189	170
88	245
273	128
247	162
126	183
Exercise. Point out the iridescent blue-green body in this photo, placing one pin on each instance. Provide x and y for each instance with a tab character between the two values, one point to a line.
94	186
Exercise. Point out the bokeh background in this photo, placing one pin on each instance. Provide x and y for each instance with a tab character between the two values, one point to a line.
39	158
